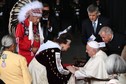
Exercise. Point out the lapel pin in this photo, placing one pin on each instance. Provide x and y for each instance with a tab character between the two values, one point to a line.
100	23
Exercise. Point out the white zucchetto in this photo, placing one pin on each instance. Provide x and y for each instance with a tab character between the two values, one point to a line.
93	44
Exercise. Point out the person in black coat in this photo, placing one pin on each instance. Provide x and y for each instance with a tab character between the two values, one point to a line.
115	42
47	67
49	23
88	27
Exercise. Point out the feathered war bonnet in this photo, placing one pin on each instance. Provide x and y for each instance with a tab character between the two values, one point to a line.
32	9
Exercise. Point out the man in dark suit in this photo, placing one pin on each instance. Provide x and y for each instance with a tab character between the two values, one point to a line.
115	42
49	23
92	25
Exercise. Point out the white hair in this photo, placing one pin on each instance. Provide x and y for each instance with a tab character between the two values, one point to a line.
7	41
115	64
106	29
27	7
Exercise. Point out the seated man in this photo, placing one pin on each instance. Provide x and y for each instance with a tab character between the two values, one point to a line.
95	67
114	42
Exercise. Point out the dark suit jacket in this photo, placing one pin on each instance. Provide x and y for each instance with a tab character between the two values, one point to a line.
50	35
88	30
116	45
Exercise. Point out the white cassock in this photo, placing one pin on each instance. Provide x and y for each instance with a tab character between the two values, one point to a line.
95	67
38	73
122	78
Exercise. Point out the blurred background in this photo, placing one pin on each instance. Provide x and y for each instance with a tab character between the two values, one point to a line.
73	12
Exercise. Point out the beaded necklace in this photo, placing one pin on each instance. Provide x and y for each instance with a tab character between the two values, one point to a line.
3	57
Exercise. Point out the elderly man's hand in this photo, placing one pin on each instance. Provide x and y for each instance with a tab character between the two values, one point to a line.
72	69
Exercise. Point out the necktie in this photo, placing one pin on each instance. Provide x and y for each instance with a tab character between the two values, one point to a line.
94	26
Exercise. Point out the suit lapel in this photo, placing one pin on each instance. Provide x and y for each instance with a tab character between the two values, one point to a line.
91	27
99	25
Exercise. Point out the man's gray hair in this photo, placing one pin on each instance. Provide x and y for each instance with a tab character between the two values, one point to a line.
115	64
106	29
92	8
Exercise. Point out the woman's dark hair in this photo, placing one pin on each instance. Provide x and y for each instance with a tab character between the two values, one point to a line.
63	38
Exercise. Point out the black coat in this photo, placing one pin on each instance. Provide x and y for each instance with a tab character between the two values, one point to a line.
48	59
116	45
88	30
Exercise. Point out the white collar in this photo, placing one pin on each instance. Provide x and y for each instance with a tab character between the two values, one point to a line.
48	44
112	37
96	21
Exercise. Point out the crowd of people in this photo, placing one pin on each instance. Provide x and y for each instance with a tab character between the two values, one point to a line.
34	55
